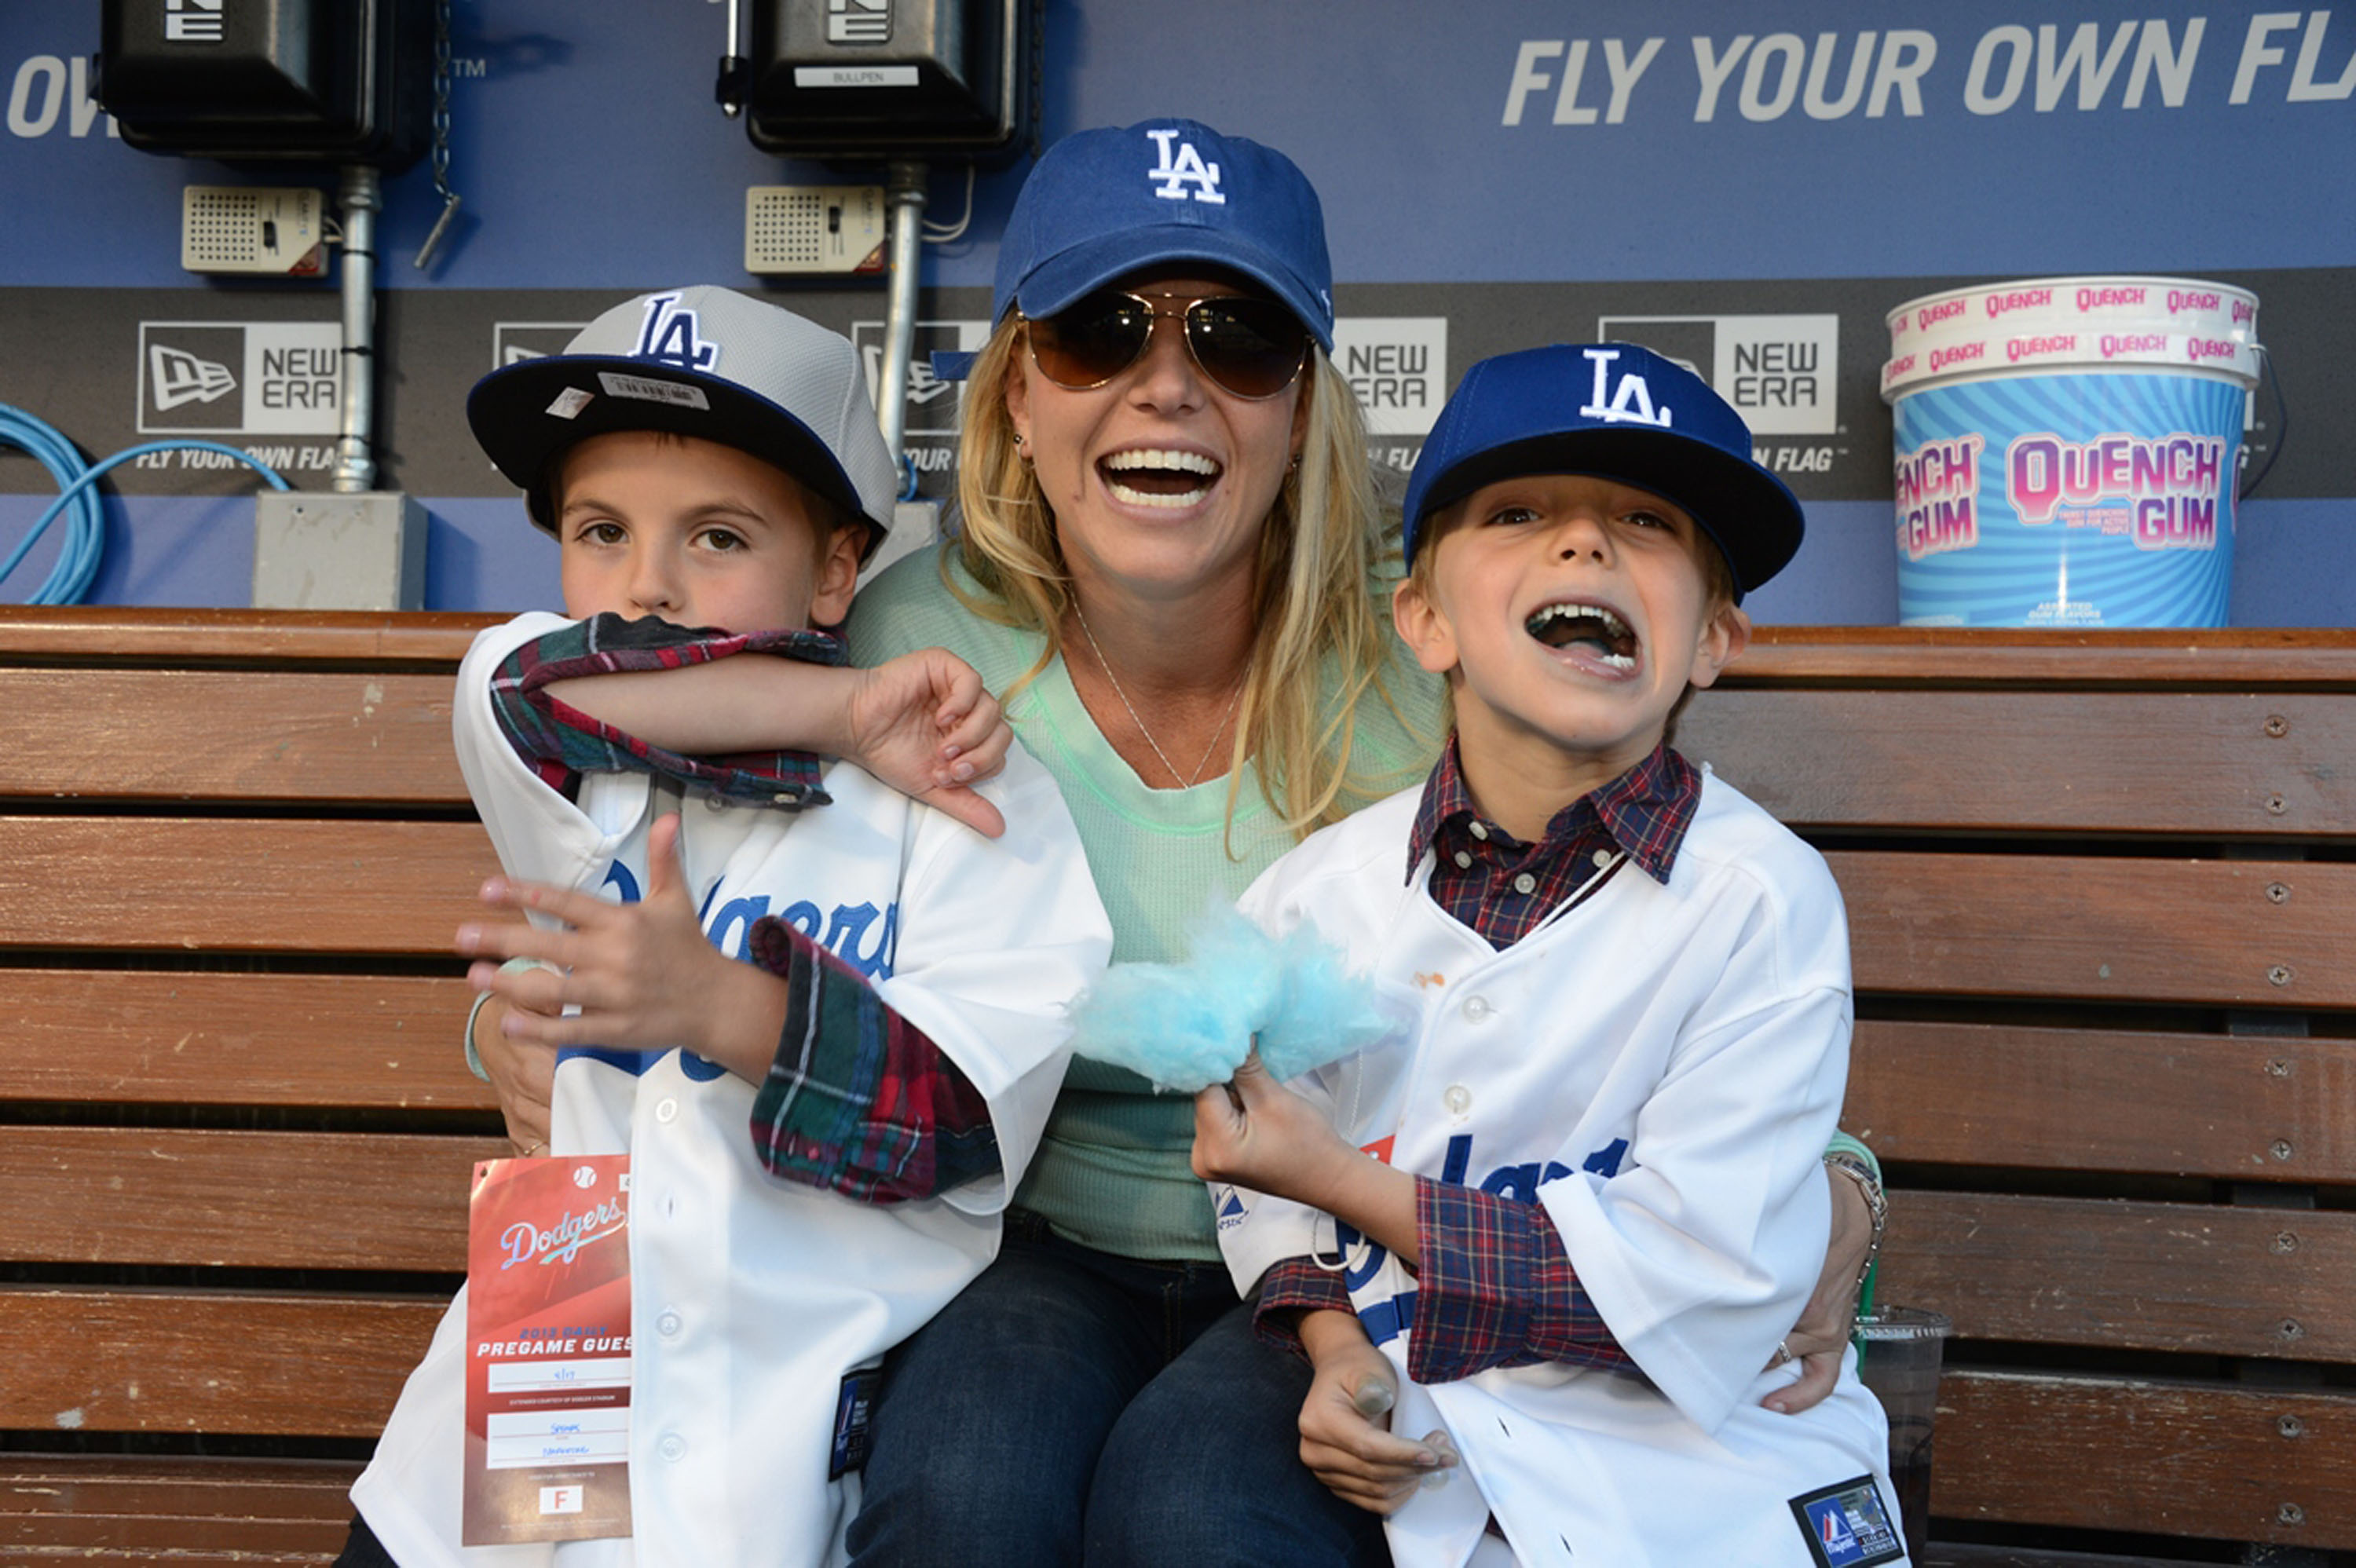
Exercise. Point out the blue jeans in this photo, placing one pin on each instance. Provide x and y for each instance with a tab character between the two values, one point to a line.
1072	1407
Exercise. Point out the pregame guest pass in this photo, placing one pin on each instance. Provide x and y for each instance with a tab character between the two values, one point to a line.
548	1350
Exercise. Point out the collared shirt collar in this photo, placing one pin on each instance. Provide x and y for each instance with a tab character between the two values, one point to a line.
1646	811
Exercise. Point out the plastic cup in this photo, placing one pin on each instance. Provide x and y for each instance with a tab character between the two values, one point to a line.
1899	1354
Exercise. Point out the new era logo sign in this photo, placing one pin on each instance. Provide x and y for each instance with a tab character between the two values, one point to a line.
176	377
1182	172
1780	372
260	378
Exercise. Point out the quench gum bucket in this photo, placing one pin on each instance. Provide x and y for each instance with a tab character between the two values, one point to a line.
2068	449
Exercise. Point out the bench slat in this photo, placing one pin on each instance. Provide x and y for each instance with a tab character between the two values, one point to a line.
2107	929
276	736
2154	1276
1941	658
2201	1460
225	885
146	1037
95	1507
88	635
145	1195
2143	763
1938	1554
223	1361
2237	1107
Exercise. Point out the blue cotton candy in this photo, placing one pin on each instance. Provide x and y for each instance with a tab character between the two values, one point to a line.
1322	1014
1184	1027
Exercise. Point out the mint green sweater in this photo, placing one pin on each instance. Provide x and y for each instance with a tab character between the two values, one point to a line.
1112	1173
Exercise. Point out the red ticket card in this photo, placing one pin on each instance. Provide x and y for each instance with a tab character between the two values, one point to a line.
548	1350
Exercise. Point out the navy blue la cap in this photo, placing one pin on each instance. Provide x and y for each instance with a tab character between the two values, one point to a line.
1103	204
1616	411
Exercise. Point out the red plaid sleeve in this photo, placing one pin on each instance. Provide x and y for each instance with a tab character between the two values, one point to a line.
560	743
1496	1289
1293	1287
859	1099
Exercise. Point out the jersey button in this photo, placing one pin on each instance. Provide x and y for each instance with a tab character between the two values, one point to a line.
1526	883
672	1448
1458	1099
668	1325
1464	860
1476	1008
666	1111
1478	828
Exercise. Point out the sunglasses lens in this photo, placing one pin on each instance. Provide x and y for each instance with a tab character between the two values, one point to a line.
1093	341
1252	347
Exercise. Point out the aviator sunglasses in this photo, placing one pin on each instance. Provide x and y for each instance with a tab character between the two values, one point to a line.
1251	348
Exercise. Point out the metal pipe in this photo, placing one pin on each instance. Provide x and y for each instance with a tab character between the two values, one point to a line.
361	195
904	193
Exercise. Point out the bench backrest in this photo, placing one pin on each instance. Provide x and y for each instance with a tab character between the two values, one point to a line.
2104	917
237	1128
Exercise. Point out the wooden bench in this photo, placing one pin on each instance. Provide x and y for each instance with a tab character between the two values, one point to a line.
235	1128
2100	891
2104	911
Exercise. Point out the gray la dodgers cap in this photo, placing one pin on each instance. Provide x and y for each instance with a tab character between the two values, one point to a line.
700	361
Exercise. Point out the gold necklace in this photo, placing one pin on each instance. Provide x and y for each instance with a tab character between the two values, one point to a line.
1187	781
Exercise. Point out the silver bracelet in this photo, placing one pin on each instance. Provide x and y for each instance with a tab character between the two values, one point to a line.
1876	1205
474	1057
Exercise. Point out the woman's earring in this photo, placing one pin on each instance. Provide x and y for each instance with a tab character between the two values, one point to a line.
1022	446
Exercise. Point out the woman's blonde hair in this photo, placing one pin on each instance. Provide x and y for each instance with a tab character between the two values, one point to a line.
1318	648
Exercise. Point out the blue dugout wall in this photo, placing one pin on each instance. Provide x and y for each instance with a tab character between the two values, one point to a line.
1704	175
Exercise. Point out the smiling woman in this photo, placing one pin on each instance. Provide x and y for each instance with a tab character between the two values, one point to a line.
1168	566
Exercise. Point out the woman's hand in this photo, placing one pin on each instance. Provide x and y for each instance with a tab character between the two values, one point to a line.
1345	1439
1826	1323
522	1073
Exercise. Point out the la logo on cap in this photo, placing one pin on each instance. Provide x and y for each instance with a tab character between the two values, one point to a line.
670	335
1173	173
1630	403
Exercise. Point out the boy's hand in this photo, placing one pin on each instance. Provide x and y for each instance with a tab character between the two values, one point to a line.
1256	1133
1345	1438
924	724
643	975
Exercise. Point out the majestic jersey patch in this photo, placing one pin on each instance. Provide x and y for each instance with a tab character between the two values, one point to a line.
1847	1525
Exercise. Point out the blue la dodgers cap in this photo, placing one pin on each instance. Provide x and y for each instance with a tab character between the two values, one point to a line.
702	361
1616	411
1103	204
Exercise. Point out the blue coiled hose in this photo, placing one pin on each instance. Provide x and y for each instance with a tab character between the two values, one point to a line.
78	500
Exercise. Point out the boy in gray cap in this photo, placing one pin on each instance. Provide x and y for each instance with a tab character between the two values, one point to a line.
826	1040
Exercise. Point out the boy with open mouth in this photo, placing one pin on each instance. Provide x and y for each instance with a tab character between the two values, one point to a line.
1541	1248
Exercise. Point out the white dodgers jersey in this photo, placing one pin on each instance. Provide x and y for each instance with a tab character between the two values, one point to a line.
1660	1068
751	1297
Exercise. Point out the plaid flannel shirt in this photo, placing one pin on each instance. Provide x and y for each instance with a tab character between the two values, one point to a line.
560	743
1495	1286
858	1101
